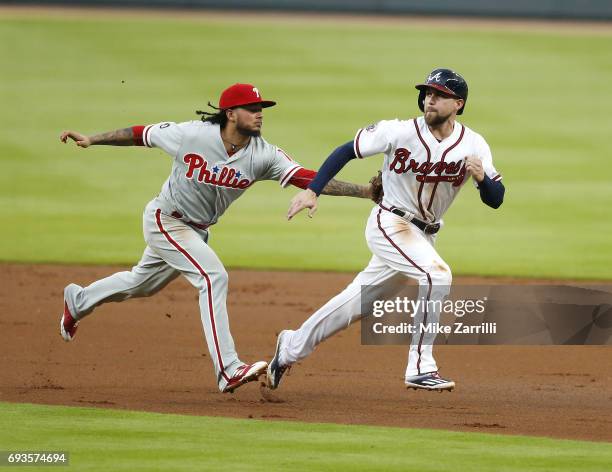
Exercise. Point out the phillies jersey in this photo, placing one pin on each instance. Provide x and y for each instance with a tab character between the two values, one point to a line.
420	174
204	180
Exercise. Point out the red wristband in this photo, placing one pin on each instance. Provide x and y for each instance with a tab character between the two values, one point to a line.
137	130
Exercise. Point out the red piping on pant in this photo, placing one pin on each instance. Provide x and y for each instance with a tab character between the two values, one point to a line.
208	285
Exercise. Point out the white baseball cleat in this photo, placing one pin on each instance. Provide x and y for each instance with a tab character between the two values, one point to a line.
245	373
429	381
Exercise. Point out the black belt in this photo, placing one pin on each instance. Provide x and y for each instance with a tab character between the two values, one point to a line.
427	228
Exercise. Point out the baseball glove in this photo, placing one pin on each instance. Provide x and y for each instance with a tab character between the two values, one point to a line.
377	188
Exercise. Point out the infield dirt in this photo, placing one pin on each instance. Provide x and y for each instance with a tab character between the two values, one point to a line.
149	354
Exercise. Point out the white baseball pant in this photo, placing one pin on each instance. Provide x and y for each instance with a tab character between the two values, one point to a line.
399	250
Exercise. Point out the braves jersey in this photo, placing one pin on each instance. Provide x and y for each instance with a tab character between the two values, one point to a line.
204	180
420	174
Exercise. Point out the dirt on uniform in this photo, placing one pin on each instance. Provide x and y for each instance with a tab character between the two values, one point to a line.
149	354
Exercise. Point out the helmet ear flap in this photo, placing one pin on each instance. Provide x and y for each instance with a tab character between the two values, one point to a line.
460	112
421	101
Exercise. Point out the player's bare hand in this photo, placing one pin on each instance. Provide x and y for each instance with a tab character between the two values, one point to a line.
305	199
80	139
473	166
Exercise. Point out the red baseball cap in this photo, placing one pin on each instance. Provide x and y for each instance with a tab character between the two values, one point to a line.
242	94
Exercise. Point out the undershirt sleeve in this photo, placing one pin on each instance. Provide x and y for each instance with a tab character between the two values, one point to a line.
332	165
491	192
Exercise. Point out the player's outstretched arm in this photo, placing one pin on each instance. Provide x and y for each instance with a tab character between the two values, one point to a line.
346	189
304	177
119	137
308	198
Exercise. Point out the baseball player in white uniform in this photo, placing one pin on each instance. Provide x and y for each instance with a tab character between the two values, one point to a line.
427	160
215	160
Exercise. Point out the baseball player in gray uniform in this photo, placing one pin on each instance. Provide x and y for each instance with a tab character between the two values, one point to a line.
427	160
215	160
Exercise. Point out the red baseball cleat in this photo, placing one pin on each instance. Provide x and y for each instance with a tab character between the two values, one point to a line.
245	373
68	325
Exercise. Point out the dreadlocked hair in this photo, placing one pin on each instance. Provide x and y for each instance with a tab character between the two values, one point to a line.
219	117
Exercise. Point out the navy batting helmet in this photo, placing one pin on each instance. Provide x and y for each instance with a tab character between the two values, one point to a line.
447	81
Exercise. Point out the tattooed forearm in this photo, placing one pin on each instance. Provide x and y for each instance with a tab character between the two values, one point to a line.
119	137
345	189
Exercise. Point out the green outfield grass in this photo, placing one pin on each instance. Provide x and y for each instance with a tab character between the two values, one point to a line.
541	98
98	439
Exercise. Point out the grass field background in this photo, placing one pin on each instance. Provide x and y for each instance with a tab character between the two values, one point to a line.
541	98
100	439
